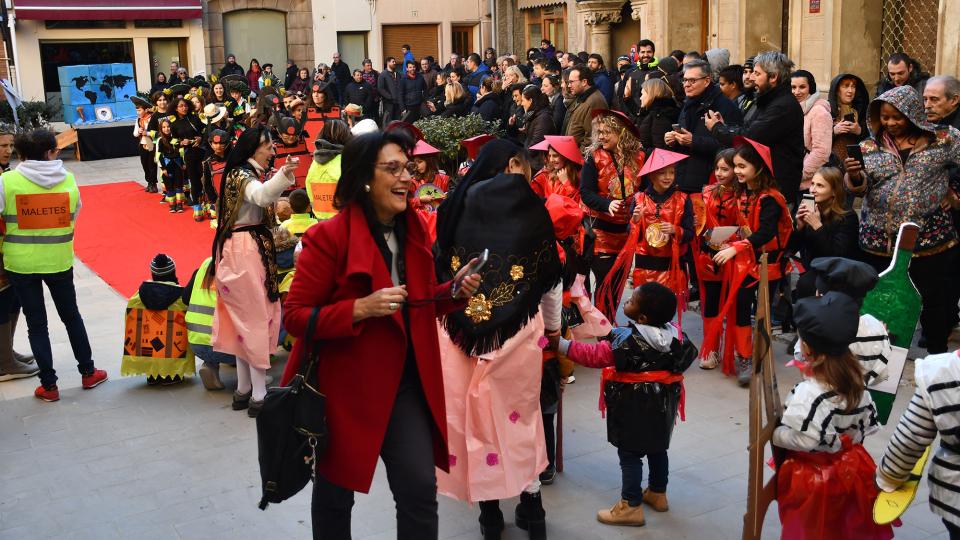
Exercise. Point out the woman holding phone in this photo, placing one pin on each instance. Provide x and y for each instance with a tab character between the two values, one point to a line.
848	99
824	226
904	176
370	275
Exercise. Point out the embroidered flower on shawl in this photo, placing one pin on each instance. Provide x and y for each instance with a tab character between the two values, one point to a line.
493	459
454	263
514	416
452	459
516	272
478	308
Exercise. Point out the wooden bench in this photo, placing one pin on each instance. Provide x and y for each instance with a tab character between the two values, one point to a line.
67	138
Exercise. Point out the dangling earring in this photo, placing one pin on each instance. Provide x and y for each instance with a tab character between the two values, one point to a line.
366	187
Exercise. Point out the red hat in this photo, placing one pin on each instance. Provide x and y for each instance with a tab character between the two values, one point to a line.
761	149
564	145
624	119
565	214
422	148
660	159
411	129
474	144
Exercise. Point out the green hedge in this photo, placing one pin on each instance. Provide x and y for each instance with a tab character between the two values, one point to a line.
32	114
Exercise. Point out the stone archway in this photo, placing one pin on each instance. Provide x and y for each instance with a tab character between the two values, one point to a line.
299	21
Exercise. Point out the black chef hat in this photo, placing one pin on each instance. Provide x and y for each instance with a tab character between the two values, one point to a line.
828	323
844	275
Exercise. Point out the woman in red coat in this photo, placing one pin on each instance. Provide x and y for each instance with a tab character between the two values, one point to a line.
370	272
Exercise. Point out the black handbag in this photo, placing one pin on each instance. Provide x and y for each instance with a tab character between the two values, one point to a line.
292	429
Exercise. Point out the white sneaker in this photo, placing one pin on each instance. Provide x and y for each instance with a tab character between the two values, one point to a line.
711	361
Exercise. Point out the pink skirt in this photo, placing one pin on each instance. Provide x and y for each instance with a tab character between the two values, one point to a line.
494	425
246	323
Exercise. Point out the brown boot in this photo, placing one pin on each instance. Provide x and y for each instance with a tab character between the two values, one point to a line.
657	501
622	514
9	368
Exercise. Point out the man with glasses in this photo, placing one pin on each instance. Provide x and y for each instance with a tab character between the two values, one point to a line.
693	137
777	122
586	99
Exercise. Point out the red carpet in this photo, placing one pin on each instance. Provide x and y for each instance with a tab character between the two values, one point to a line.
121	228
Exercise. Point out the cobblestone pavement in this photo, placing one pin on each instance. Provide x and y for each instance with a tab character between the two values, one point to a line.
129	461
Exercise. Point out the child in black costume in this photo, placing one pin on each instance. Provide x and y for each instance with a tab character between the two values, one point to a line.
643	391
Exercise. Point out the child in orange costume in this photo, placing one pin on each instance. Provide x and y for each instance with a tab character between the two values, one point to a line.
765	227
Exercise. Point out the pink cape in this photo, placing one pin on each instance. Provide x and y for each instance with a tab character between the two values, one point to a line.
245	323
494	424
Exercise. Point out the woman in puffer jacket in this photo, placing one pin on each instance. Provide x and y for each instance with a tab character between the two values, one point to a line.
817	124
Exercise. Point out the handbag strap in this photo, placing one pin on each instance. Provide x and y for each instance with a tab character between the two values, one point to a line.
309	363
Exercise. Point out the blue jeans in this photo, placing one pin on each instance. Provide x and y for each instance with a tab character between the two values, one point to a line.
631	467
208	355
29	289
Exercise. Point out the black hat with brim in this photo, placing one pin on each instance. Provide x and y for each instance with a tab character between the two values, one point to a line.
180	89
233	77
844	275
141	102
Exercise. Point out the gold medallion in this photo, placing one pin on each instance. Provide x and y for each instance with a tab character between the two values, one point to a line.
655	236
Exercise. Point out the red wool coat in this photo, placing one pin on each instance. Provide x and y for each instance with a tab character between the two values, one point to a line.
361	364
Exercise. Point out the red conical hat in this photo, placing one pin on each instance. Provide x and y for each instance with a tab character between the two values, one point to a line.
565	214
660	159
565	145
422	148
761	149
413	130
473	144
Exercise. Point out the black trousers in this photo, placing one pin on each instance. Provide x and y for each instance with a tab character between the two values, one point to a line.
933	276
407	454
193	167
601	265
149	166
391	112
550	437
952	530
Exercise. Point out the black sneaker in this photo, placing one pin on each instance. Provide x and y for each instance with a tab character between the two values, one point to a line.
241	401
254	409
548	475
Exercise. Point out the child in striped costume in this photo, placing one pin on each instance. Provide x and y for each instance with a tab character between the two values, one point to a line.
935	408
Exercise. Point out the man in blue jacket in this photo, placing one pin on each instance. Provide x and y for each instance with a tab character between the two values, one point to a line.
477	71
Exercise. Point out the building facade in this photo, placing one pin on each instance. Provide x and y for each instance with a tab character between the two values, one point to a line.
147	33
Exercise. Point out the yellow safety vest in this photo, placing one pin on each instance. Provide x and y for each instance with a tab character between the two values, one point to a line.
321	184
155	341
40	224
299	223
203	302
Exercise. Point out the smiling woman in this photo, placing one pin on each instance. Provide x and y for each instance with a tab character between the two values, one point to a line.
368	273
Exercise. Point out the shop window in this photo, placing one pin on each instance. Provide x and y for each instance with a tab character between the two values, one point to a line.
546	23
74	25
158	23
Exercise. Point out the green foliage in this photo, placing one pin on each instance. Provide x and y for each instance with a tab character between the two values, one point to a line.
32	114
446	133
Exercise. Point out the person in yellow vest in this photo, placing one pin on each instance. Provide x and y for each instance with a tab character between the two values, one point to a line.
201	303
324	172
155	328
39	201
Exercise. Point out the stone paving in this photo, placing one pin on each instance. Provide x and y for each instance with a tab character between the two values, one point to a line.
129	461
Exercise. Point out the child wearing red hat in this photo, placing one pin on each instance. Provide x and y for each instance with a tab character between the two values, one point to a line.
721	209
432	184
472	146
662	228
561	173
765	227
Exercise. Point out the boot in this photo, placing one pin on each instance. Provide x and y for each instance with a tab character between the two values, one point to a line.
210	376
9	368
657	501
744	369
22	358
530	516
491	520
622	514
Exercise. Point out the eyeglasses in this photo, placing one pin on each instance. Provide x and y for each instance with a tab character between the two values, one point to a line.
396	168
691	81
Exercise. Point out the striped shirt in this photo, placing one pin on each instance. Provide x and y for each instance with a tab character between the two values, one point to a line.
814	418
935	408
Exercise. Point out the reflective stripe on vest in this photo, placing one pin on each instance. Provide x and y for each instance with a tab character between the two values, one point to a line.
203	303
321	184
40	224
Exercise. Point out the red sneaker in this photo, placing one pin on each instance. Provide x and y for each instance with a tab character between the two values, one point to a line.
47	394
94	379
